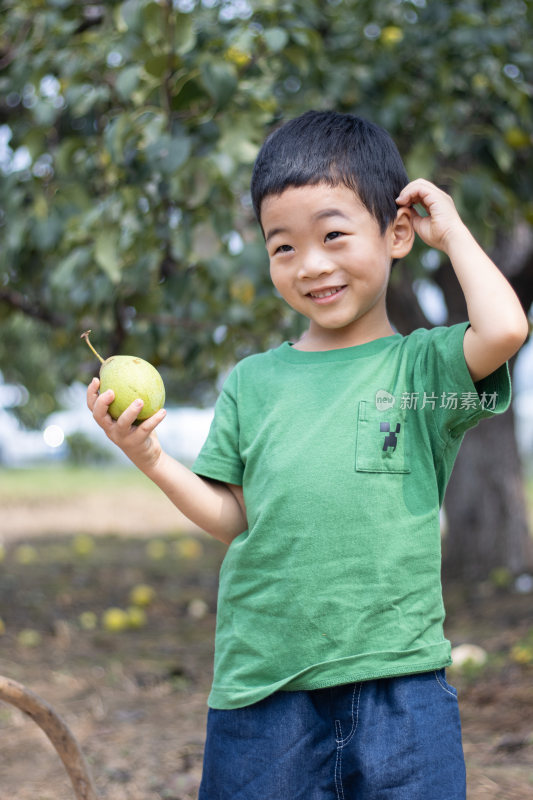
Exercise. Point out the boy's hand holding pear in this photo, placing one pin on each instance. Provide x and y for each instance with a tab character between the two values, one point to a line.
138	441
128	406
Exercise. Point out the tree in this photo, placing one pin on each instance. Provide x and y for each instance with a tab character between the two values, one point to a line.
129	130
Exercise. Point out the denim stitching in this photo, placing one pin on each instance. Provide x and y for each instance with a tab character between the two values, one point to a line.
338	763
343	742
442	686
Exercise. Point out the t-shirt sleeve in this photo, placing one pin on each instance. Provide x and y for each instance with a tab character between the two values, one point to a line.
219	457
457	402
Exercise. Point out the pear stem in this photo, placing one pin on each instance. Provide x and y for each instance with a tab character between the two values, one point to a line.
86	337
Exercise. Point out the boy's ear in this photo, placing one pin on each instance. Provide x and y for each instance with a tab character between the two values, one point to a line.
403	233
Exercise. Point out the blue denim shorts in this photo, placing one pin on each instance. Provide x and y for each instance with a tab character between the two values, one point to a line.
388	739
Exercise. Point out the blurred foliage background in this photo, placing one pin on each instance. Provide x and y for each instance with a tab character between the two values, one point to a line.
128	131
127	135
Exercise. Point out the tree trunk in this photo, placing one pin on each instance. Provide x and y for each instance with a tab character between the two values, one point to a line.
486	518
485	503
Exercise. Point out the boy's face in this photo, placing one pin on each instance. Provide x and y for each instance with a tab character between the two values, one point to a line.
330	262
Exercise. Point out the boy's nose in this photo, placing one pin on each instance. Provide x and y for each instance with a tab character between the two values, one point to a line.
314	265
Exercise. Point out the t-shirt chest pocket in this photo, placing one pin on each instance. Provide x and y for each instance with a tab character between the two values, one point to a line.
381	441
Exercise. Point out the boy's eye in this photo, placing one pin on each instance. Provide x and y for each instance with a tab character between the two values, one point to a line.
283	248
333	235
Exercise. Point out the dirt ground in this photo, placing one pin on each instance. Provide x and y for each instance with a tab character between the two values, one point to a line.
136	699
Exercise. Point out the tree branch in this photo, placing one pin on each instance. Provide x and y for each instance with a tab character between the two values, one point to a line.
166	88
12	52
31	308
57	731
170	321
93	14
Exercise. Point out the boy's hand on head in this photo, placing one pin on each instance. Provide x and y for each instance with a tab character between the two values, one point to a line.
138	442
442	221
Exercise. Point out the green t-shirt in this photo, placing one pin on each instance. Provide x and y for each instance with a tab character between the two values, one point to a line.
344	457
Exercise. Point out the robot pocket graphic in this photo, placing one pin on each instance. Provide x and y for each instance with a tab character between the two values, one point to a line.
381	444
391	439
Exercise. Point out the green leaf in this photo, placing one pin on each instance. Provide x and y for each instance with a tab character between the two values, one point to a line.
236	144
206	242
106	253
503	154
66	273
168	153
153	23
188	95
46	233
131	15
185	34
157	65
127	81
35	141
276	39
220	80
420	162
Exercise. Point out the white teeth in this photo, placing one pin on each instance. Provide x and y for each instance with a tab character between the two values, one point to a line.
326	293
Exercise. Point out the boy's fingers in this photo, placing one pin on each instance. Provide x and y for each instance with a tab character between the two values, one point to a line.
415	192
409	197
92	393
128	417
425	194
152	422
101	406
126	420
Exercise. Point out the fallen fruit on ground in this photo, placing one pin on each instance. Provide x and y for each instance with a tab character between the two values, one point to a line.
136	617
142	595
115	620
187	547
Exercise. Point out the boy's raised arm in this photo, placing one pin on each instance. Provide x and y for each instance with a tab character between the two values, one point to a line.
217	508
498	325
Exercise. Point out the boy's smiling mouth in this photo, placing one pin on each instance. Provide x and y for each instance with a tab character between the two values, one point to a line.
326	294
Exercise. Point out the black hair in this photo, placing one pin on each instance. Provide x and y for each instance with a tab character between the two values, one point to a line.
332	148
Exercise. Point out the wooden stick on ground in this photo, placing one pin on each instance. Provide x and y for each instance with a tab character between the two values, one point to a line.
57	731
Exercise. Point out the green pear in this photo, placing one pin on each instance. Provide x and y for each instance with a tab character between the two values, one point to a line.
130	378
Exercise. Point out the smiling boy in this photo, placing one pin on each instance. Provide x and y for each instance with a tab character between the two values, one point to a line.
335	271
324	470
